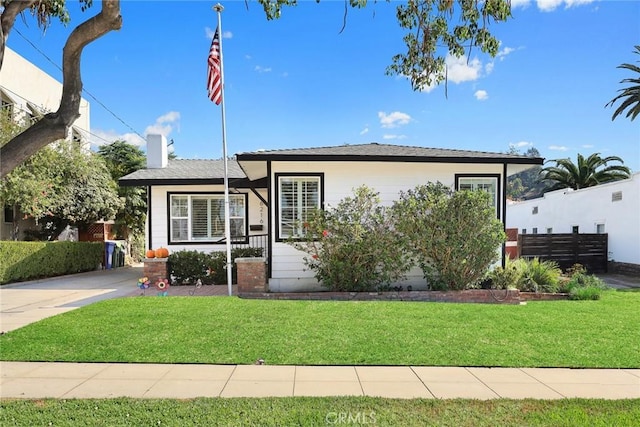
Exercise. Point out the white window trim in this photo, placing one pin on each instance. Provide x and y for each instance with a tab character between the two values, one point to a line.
299	177
496	183
188	217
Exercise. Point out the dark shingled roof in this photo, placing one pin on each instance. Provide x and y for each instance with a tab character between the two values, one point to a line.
386	152
185	172
192	172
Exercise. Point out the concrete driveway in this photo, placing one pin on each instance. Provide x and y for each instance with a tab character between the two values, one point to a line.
28	302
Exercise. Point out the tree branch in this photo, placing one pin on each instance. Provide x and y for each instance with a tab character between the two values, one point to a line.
8	18
55	126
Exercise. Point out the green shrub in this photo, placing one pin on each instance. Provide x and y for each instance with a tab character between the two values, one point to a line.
507	277
20	261
538	276
219	260
187	267
453	235
585	293
583	280
353	247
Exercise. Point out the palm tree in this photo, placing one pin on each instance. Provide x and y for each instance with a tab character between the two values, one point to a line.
586	173
630	96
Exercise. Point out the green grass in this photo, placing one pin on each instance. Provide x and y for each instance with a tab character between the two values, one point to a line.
298	411
600	333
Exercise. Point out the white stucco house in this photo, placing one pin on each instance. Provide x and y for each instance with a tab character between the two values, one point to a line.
612	208
27	93
271	191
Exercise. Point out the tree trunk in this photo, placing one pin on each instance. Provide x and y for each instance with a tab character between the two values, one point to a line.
8	18
55	126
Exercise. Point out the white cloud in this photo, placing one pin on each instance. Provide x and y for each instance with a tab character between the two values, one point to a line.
520	3
100	137
521	144
285	74
502	53
164	124
393	119
209	32
247	57
549	5
587	146
262	69
558	148
364	131
481	95
461	70
391	136
489	67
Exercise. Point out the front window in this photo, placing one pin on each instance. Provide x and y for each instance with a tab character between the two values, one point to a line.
200	217
488	184
297	197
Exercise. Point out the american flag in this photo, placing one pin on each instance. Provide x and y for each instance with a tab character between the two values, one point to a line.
214	80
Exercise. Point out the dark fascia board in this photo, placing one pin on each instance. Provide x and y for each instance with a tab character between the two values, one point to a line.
401	159
233	182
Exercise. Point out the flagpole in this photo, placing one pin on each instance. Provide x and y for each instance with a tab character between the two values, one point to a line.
227	220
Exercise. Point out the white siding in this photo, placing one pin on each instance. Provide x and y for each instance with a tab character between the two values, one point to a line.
340	178
160	220
586	208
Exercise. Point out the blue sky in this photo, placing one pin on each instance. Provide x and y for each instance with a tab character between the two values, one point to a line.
296	82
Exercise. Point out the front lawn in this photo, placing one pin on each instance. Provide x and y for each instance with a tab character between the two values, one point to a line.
223	330
300	411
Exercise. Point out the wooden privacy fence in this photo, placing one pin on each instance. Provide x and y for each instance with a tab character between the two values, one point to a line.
590	250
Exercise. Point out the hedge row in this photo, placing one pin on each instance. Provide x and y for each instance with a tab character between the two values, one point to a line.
21	261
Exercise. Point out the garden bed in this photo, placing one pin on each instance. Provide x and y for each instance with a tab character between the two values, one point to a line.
486	296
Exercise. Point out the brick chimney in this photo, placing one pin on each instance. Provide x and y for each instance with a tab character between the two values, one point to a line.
157	152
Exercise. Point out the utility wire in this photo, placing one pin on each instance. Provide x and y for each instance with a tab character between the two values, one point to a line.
29	101
83	90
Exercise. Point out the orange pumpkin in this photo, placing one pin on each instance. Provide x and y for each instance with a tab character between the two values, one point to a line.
150	253
162	252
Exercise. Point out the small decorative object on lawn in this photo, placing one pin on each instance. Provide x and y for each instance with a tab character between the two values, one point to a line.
162	285
143	284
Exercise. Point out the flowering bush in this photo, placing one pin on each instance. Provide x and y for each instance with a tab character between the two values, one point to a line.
353	247
454	235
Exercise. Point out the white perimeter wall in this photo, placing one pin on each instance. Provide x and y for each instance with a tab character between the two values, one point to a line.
160	220
340	178
563	209
23	82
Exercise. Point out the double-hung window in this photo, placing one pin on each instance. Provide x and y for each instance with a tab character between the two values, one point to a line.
484	183
297	197
201	217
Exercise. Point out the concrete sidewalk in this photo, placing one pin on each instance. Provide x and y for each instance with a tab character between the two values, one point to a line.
34	380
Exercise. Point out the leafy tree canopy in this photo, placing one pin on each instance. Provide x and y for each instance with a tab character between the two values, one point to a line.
433	27
629	96
122	159
455	25
587	172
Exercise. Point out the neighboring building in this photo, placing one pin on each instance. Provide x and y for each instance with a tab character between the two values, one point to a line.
28	92
272	190
612	208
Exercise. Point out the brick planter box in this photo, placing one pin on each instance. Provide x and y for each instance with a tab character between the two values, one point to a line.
155	269
252	275
485	296
542	296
